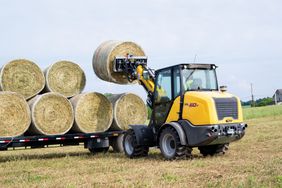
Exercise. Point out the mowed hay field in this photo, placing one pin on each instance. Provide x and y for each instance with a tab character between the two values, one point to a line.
254	161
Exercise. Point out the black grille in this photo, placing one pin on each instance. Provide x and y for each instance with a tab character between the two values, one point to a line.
226	107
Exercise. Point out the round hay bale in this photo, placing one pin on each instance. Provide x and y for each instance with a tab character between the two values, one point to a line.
129	109
66	78
104	57
93	113
52	114
22	76
14	114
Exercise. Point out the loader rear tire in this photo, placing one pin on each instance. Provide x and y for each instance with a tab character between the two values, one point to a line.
131	149
214	149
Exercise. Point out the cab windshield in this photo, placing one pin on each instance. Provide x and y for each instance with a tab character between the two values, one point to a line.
199	79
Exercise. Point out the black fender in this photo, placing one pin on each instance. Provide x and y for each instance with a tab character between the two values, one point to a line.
144	135
179	130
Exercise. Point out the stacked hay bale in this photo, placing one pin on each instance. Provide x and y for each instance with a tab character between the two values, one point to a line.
14	114
66	78
22	76
129	109
93	113
52	114
104	57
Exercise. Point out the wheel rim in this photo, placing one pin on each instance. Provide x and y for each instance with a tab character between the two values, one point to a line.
128	146
169	145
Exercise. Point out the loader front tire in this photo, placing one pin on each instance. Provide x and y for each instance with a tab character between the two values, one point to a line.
170	145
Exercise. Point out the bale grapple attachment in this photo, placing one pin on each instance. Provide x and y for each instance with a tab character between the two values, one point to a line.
128	65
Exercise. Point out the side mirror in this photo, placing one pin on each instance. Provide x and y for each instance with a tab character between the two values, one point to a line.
223	88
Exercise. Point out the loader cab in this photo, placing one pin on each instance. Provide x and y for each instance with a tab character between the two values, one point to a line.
171	84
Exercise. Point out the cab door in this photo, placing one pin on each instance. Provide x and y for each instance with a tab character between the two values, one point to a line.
162	96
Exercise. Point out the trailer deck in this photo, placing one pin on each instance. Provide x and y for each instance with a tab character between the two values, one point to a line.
95	142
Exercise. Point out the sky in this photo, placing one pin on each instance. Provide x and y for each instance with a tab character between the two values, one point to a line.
244	38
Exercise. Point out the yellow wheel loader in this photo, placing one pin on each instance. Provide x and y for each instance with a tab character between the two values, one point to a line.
188	110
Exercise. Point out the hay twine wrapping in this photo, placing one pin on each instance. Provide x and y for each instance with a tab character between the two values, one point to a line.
66	78
52	114
129	109
22	76
104	57
14	114
93	113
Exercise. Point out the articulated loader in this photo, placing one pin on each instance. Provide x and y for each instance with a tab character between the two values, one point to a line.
188	109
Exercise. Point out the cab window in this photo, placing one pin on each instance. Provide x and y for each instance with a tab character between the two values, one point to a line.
176	83
163	89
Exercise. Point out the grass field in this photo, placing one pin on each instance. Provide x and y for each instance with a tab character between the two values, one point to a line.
255	161
258	112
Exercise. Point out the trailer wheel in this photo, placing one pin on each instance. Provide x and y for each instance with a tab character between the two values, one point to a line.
117	143
131	149
98	150
214	149
170	145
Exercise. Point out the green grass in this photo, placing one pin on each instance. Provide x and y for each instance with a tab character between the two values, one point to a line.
259	112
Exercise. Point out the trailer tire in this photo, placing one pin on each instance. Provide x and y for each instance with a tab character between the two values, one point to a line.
131	149
117	143
214	149
98	150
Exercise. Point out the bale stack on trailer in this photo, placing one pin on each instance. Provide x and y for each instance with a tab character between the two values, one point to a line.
52	103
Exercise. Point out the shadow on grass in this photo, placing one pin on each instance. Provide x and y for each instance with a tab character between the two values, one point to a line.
41	156
153	155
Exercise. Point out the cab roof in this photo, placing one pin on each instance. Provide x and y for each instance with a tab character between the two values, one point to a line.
192	66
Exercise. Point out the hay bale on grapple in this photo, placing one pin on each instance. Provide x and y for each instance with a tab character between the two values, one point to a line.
66	78
93	113
22	76
51	113
14	114
104	57
129	109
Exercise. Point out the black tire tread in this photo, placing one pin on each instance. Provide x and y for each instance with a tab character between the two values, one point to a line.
181	151
138	151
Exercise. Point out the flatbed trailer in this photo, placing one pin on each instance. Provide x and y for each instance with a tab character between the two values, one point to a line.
95	142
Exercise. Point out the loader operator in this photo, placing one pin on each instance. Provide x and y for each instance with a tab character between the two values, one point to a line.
192	83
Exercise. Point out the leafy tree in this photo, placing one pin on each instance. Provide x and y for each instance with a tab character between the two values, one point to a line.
259	102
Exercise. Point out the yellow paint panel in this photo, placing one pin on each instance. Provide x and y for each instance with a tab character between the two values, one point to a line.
174	111
199	108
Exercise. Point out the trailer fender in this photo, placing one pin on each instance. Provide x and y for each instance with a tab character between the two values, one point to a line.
178	129
144	135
